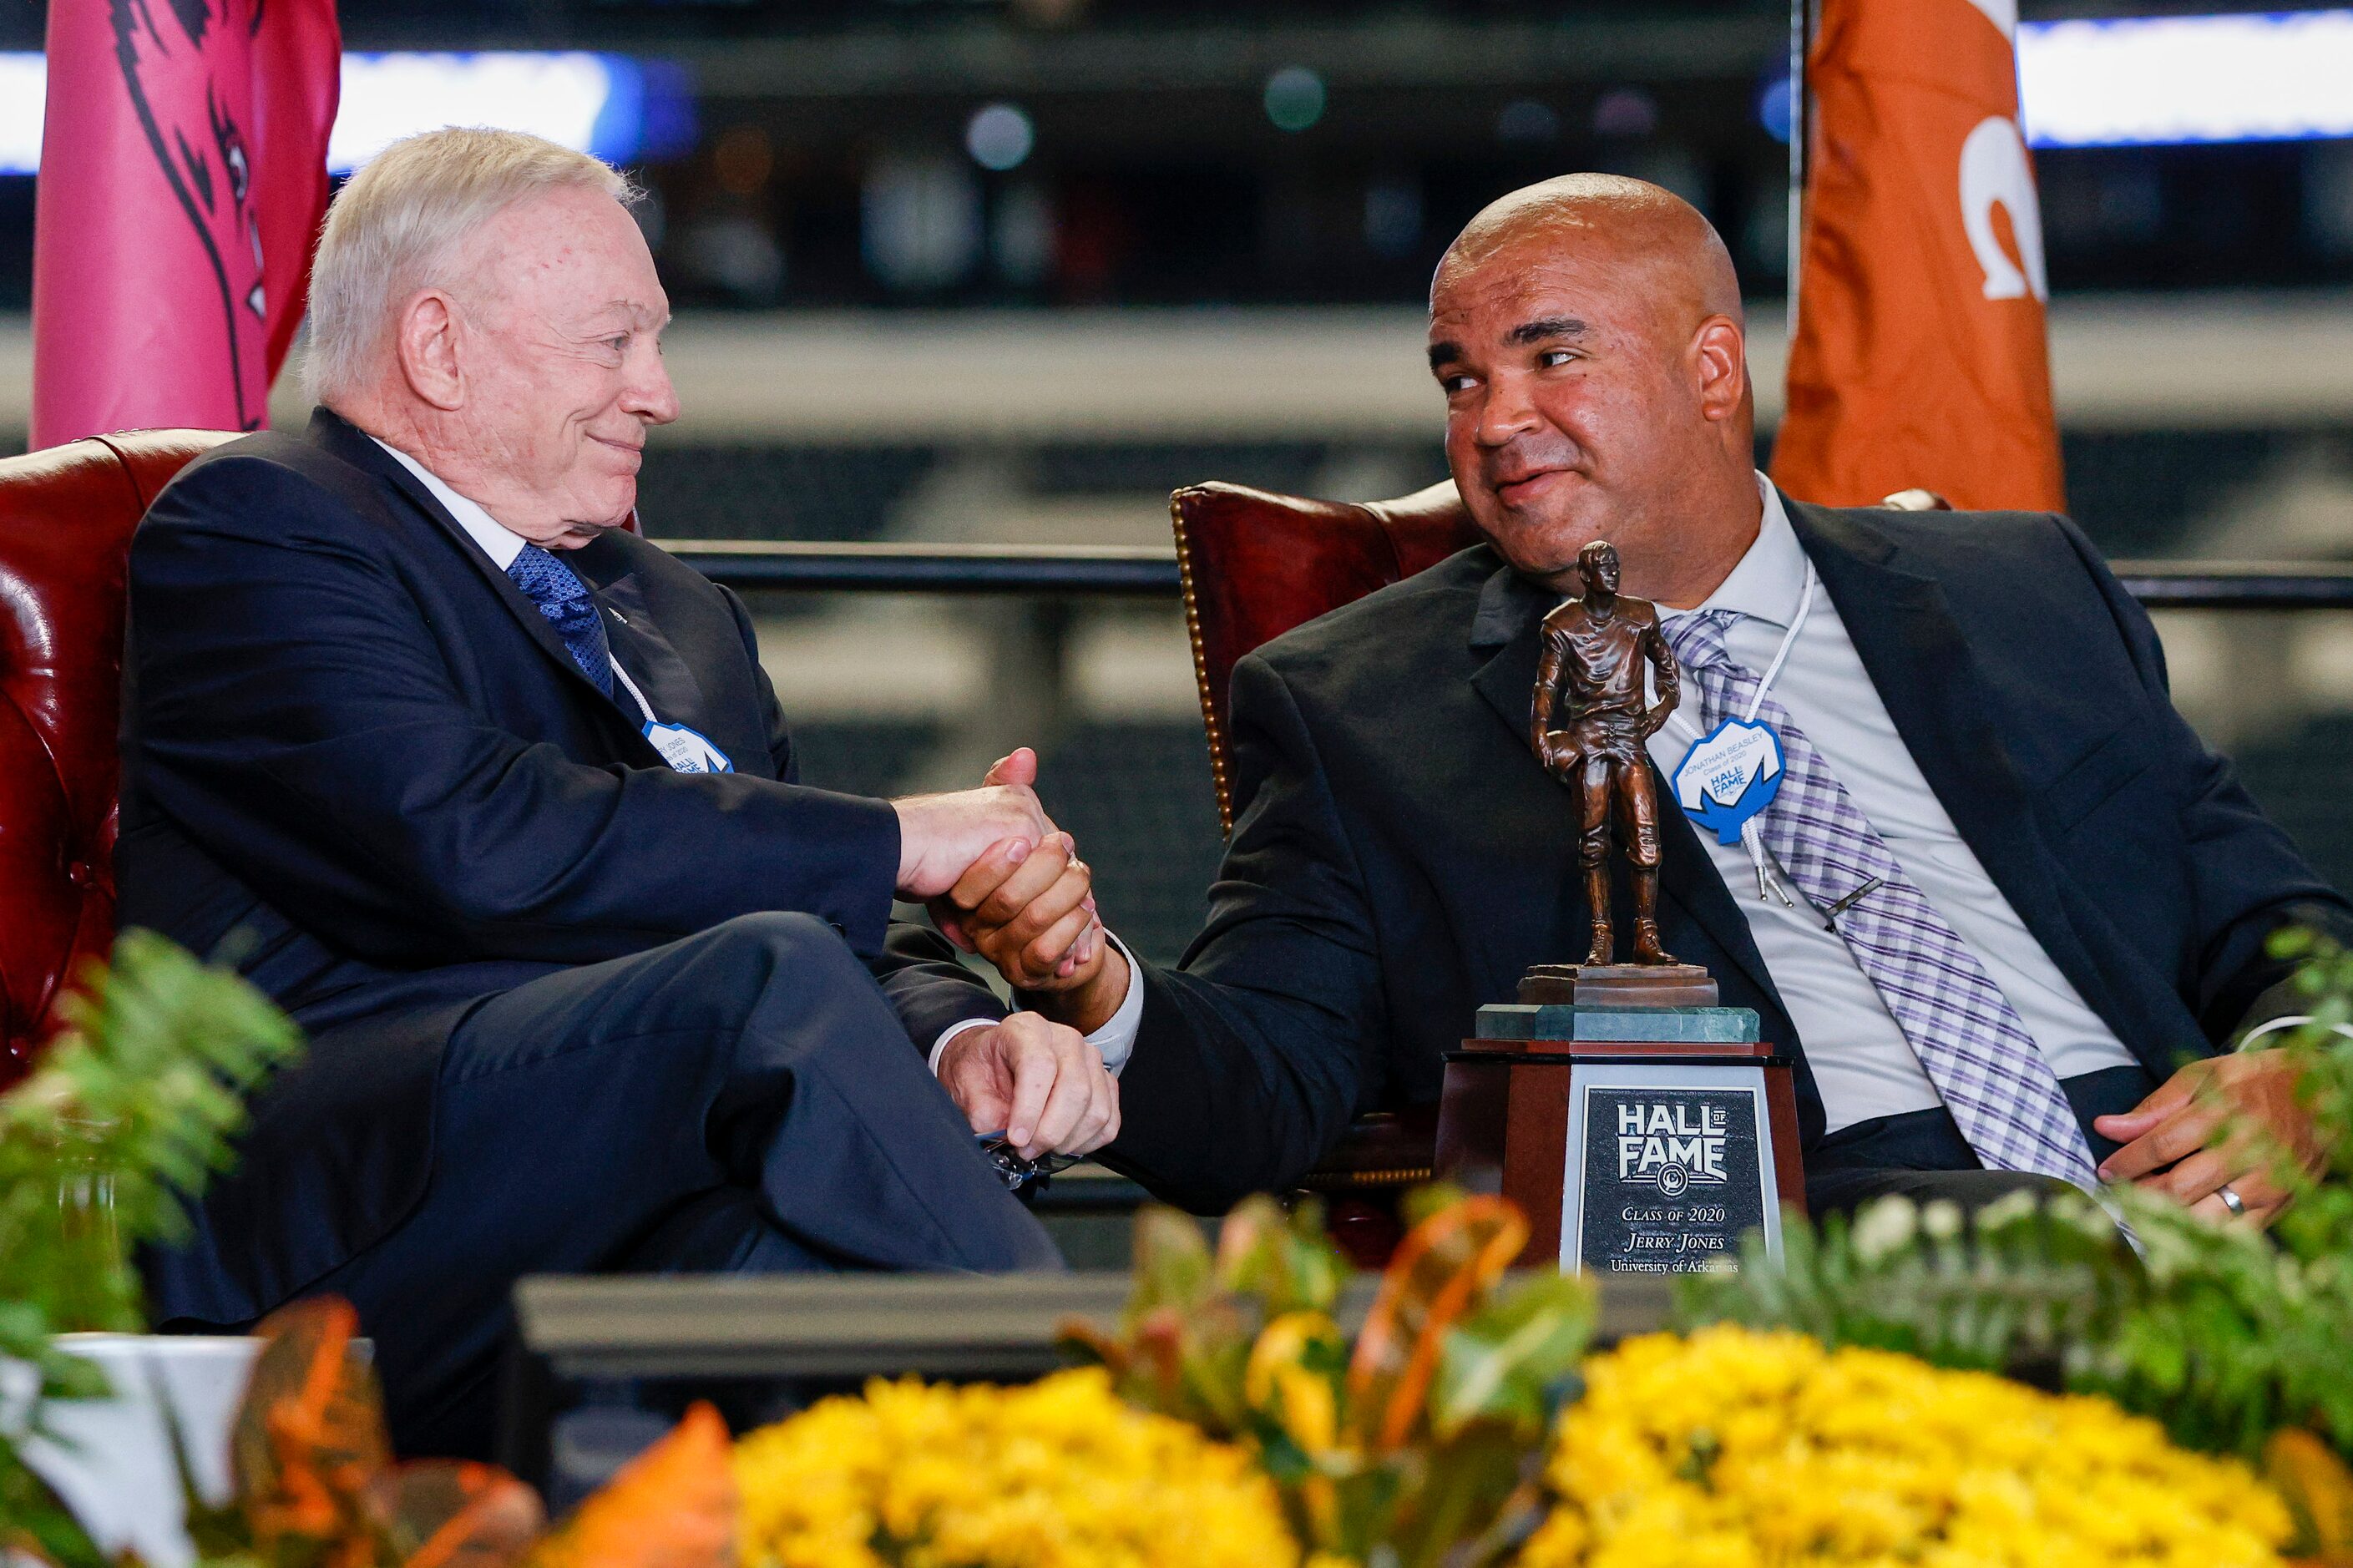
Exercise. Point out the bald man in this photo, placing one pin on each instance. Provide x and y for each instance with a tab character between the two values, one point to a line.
2002	896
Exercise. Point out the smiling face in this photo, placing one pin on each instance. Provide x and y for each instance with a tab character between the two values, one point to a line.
562	357
1587	336
529	382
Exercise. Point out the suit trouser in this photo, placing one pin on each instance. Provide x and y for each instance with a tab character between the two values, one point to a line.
744	1100
1922	1154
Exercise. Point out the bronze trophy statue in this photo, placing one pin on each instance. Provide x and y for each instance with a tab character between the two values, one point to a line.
1641	1127
1595	650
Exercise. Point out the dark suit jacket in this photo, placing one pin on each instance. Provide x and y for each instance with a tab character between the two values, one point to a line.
1400	857
355	753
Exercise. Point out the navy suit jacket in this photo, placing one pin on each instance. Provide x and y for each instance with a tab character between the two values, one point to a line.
357	759
1400	857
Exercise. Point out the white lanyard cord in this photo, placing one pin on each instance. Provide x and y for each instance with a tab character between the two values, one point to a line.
1789	639
1767	881
643	706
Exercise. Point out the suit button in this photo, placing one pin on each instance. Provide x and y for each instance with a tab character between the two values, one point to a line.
78	873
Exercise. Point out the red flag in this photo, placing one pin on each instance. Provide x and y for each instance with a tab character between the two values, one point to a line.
183	171
1920	357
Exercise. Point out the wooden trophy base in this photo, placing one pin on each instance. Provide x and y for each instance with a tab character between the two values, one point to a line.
1639	1125
1627	984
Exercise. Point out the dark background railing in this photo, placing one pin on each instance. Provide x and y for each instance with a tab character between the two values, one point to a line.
1150	571
1138	570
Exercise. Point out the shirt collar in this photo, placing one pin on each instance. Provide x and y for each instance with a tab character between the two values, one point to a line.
498	542
1766	583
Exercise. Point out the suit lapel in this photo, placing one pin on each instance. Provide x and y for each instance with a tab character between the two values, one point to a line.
1905	632
356	448
1510	620
653	661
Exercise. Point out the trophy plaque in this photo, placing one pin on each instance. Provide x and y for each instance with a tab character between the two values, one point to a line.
1641	1127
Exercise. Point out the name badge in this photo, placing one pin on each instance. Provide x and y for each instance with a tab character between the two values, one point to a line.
1730	774
686	749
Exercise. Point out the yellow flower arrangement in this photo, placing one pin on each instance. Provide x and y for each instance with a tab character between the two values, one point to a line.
1738	1449
1056	1474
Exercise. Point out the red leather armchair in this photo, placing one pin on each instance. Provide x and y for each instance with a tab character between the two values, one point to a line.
66	518
1254	565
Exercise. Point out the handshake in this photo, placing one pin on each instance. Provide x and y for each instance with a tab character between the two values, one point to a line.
1001	879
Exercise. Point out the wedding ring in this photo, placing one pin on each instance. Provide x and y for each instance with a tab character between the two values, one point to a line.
2230	1200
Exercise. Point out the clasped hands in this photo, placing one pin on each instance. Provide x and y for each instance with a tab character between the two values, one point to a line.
1001	880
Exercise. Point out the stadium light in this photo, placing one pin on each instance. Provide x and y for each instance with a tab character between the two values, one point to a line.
610	105
563	97
2144	81
24	96
2149	82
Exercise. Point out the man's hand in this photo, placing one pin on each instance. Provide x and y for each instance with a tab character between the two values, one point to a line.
1030	911
1038	1080
2165	1136
1032	914
940	834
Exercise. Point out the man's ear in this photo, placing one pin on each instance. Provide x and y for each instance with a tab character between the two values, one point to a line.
1720	353
425	338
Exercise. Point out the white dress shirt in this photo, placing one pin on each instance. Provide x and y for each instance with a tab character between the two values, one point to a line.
502	544
1114	1040
1860	1060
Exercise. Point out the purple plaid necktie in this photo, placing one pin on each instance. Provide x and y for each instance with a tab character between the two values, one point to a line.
1967	1037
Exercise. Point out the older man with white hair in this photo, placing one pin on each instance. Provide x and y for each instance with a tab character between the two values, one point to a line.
494	797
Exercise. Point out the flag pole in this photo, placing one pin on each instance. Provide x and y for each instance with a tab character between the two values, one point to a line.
1802	28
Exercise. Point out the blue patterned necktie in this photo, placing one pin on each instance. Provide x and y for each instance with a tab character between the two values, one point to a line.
2000	1091
563	599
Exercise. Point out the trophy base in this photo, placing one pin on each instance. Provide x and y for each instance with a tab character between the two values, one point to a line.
1618	985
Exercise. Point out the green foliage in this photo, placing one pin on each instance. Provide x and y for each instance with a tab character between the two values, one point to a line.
32	1519
1418	1445
2223	1333
140	1095
2011	1292
2320	1222
1185	1336
1507	1363
128	1115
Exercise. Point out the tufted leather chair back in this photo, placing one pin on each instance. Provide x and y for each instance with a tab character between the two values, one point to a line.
1256	564
66	520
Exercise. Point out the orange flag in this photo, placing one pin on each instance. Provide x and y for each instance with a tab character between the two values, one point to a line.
1920	357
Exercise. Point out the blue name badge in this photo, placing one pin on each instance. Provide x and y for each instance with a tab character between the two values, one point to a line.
1730	774
688	750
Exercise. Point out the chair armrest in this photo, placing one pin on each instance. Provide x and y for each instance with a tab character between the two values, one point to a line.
1383	1150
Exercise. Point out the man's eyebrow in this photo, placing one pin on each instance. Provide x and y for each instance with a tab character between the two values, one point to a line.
1440	352
1544	327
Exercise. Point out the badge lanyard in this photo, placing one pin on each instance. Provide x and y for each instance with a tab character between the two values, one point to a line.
685	749
1761	755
